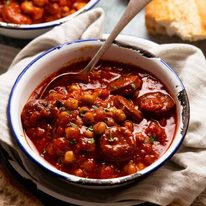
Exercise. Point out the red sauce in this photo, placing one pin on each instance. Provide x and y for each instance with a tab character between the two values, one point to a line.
119	122
37	11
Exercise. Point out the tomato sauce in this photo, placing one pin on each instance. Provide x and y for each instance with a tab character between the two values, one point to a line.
37	11
117	123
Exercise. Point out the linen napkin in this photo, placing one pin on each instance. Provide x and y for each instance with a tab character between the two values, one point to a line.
182	179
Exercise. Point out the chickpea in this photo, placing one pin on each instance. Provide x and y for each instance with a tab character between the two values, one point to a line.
69	157
79	5
99	128
87	99
72	132
73	87
112	110
141	166
63	117
129	125
40	3
130	168
28	8
71	103
88	118
110	122
83	110
65	10
79	172
54	96
63	114
119	115
89	134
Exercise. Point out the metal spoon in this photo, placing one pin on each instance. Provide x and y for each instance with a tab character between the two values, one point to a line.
133	8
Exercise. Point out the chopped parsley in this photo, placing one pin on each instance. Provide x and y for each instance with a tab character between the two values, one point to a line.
114	87
95	107
72	124
83	111
152	139
91	128
91	141
72	141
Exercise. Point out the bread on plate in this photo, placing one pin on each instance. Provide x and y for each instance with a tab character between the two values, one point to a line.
183	18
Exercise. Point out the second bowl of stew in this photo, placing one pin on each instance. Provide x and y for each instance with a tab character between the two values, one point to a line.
28	19
121	124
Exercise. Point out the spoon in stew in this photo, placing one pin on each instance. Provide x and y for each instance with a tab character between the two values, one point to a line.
133	8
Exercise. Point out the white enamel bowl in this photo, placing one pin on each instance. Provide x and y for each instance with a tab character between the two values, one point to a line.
23	31
54	59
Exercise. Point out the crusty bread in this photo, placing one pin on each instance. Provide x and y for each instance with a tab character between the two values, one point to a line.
184	18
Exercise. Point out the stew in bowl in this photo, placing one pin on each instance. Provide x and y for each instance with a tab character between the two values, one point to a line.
123	123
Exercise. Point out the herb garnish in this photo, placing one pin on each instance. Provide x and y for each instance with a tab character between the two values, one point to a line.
72	141
91	141
72	124
91	128
152	139
114	87
95	107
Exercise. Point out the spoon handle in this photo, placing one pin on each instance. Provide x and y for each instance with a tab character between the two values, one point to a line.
131	11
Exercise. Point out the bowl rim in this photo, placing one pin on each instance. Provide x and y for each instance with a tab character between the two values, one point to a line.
50	24
90	181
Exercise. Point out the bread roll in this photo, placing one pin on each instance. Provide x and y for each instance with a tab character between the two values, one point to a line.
183	18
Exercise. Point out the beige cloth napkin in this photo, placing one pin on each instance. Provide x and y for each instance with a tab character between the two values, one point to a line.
180	181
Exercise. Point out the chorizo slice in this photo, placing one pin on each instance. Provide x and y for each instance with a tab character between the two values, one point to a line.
129	109
155	102
117	144
125	85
